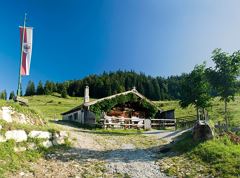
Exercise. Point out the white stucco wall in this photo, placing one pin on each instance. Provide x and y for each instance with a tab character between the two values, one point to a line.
80	117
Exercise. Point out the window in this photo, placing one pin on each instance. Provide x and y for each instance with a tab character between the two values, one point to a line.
70	117
75	116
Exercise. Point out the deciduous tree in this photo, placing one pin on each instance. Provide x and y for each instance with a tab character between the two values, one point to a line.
195	89
223	77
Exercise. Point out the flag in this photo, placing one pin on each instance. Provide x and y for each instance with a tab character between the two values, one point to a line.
26	47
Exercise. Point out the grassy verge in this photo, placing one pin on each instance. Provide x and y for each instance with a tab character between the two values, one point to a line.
11	161
218	157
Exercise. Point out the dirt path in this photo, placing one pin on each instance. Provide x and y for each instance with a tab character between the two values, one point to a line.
100	155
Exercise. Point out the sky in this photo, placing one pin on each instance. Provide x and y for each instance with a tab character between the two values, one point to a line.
75	38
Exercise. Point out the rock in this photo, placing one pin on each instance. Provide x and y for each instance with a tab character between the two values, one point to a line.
202	131
58	138
17	135
47	144
20	149
22	119
40	134
6	114
58	141
63	134
2	138
21	173
31	146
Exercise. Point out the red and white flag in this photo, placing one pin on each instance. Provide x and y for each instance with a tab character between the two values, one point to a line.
26	44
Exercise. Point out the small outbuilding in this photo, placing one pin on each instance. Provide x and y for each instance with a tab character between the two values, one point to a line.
128	105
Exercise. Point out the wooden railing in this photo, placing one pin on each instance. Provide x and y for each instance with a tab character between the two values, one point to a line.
179	123
186	122
158	123
143	123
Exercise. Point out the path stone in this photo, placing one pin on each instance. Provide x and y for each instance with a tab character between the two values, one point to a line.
17	135
40	134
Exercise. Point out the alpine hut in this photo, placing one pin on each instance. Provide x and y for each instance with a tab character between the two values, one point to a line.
128	105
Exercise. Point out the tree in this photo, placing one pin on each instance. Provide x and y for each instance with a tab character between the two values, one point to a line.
157	94
223	77
3	95
40	89
12	95
49	87
30	90
195	89
64	92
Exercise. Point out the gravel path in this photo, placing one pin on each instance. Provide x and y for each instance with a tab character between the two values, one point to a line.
133	162
100	155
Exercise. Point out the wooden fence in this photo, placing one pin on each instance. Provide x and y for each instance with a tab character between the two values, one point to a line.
142	123
158	123
179	123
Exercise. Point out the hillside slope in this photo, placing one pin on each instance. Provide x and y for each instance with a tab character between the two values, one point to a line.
51	106
215	112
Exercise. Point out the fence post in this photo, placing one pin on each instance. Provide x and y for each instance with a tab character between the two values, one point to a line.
175	124
147	124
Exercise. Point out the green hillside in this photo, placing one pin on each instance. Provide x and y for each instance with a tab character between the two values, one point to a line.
215	112
51	106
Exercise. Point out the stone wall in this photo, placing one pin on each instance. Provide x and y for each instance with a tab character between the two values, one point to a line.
46	138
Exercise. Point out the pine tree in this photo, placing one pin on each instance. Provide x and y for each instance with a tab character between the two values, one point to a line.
30	90
156	87
12	95
49	87
64	92
3	95
40	89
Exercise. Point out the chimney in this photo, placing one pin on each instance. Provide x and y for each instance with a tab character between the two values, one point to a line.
86	94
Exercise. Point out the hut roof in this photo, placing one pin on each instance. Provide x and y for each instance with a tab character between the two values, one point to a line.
133	91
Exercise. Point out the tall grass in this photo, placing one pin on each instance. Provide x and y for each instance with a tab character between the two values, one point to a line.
221	156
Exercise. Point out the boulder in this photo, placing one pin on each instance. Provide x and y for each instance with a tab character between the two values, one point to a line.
63	134
2	138
17	135
202	131
31	146
59	138
20	149
47	144
6	114
22	119
58	141
40	134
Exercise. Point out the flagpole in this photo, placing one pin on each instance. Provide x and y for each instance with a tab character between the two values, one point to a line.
20	76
